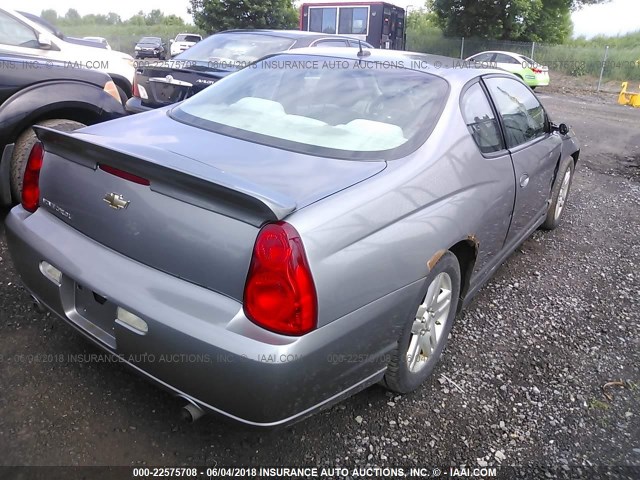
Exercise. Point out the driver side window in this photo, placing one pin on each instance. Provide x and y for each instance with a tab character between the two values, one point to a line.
13	32
522	114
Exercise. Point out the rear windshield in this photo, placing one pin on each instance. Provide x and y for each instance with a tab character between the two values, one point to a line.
528	61
188	38
235	50
323	106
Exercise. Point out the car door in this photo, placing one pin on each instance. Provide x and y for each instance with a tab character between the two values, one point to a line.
495	164
534	150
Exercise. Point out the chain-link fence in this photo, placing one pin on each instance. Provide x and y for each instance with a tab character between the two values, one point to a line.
601	62
613	64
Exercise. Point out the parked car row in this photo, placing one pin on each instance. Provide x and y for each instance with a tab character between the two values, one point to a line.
155	47
215	57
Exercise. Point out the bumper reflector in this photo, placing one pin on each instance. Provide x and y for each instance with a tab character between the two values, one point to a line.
132	320
51	272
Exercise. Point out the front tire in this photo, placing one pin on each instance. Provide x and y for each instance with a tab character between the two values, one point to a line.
425	335
559	194
23	147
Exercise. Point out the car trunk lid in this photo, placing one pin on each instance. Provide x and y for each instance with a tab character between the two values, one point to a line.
194	218
174	80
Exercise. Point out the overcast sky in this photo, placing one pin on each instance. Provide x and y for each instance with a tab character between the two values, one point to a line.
618	16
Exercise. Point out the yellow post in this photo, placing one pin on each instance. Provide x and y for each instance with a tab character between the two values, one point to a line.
622	98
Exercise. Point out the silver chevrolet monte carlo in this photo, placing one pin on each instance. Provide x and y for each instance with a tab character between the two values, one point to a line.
300	230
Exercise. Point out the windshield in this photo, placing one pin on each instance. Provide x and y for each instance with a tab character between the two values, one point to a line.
235	50
322	106
150	40
187	38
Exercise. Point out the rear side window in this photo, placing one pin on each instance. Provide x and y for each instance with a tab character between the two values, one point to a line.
483	57
522	114
502	58
331	43
480	120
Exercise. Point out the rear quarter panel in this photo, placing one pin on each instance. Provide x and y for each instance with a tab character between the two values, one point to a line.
377	237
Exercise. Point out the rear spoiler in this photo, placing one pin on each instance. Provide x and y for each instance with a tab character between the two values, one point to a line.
203	186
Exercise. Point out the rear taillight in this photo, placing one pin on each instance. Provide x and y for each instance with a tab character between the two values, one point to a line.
536	70
136	91
31	179
280	294
112	90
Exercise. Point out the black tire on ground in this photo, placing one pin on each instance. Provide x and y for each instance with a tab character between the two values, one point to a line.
567	166
23	147
398	377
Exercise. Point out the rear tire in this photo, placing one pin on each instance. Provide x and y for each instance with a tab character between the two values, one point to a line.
559	194
23	147
425	335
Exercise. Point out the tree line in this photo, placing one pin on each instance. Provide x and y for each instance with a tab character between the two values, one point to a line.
73	18
209	15
516	20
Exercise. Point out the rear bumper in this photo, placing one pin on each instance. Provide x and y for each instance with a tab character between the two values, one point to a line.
199	344
537	80
149	55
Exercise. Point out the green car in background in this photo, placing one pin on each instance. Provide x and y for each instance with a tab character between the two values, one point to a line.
533	74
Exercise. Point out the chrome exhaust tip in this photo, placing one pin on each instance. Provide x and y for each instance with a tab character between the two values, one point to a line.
38	306
191	412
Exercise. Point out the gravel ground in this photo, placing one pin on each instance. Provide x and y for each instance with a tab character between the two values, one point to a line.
521	382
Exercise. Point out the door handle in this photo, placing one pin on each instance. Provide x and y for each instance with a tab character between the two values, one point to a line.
524	180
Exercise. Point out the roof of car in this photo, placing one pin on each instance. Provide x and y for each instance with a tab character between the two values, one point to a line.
499	51
446	67
293	34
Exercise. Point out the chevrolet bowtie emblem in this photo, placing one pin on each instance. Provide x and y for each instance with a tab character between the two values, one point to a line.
116	201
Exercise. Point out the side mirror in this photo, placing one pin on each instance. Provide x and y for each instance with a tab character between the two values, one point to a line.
171	41
562	128
44	42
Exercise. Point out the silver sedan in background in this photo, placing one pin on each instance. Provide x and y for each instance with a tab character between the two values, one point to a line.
298	231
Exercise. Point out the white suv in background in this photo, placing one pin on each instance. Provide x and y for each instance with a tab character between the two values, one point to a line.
182	42
20	35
